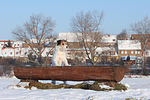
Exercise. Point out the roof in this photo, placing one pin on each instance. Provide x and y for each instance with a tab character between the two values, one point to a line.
6	41
109	38
101	49
70	37
139	36
129	45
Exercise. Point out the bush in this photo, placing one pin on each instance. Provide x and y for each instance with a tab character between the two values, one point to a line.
119	86
95	86
6	67
145	72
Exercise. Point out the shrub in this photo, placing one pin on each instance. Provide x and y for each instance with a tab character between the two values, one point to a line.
86	86
145	72
119	86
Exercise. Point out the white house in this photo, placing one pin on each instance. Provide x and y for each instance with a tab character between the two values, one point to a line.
17	44
10	52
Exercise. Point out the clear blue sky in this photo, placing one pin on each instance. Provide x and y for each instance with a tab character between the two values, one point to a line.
119	14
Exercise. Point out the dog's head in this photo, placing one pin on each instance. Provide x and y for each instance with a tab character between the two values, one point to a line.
62	44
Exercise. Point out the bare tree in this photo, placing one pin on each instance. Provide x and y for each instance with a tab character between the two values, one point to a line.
122	35
86	27
78	56
143	29
35	33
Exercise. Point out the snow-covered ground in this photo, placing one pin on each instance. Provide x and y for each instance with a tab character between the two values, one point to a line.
139	89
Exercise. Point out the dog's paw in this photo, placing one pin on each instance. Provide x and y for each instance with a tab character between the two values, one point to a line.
69	65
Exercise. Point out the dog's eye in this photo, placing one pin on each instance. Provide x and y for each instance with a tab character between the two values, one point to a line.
62	43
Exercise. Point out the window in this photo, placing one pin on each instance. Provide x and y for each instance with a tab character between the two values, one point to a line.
10	53
46	53
147	53
16	52
132	52
96	52
139	52
69	53
135	52
125	52
114	39
122	52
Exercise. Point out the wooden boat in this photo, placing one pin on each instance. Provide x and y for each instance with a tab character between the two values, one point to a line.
71	73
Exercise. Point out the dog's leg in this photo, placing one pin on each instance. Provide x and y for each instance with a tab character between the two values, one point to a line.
53	82
66	62
65	82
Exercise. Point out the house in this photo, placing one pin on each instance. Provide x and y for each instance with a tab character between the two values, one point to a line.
109	40
77	54
139	36
17	44
10	52
3	43
105	52
73	39
143	38
129	48
13	43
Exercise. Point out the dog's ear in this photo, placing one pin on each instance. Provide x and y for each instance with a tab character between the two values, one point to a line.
59	42
65	40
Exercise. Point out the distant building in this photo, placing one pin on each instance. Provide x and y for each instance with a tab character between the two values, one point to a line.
109	40
109	44
129	47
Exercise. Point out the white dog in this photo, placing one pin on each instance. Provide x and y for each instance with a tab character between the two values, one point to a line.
59	55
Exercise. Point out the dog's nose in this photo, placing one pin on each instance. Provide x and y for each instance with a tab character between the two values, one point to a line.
67	46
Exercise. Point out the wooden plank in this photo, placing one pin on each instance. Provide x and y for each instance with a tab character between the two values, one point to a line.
71	73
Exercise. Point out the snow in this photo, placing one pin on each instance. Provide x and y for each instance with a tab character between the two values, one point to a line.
138	88
129	45
102	85
109	38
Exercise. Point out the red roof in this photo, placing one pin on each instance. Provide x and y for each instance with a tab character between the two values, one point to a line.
6	41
